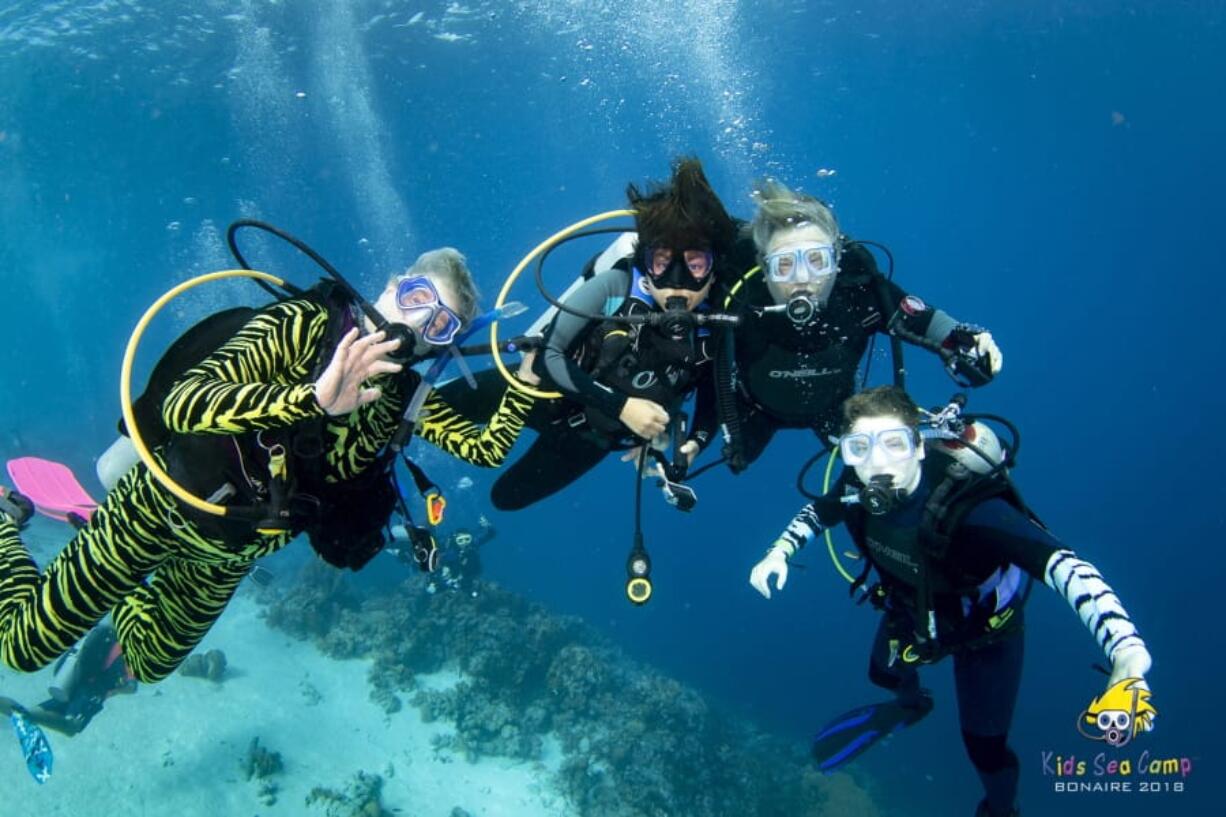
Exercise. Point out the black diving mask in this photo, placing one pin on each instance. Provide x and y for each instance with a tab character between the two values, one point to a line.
669	268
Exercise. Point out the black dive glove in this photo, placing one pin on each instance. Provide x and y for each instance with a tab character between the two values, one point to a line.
15	507
966	364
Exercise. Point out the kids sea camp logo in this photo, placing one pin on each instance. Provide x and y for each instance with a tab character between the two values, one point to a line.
1119	714
1117	717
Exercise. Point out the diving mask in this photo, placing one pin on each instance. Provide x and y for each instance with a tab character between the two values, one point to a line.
417	293
897	444
670	268
807	263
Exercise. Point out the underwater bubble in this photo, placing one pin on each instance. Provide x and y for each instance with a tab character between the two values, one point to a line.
174	227
826	172
301	94
189	200
464	484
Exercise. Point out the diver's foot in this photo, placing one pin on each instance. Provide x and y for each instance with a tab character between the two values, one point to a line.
918	702
984	810
94	668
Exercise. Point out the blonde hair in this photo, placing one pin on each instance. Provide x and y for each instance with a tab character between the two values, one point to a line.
447	265
780	208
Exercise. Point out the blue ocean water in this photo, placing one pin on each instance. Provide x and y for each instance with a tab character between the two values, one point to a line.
1051	171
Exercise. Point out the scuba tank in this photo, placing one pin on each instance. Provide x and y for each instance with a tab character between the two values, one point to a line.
976	449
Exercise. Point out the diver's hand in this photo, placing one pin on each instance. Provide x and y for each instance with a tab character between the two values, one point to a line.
339	389
775	563
689	450
645	418
1133	662
525	372
985	346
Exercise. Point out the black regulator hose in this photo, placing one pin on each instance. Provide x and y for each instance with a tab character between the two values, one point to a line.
392	330
726	404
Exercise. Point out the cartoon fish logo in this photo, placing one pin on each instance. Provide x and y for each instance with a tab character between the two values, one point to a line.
1119	714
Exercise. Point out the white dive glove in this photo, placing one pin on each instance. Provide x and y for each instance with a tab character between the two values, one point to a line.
985	345
774	563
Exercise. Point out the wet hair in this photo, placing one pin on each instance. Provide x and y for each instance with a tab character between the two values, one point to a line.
881	401
682	213
448	266
780	208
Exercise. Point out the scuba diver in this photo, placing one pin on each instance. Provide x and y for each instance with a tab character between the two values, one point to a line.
624	377
811	307
85	677
293	421
456	564
955	549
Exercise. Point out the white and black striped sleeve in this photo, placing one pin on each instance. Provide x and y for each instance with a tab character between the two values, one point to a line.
803	528
1094	602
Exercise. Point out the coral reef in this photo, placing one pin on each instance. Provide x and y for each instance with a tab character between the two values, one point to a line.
363	797
259	764
310	607
210	665
635	743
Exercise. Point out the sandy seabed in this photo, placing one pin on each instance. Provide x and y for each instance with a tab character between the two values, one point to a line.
177	747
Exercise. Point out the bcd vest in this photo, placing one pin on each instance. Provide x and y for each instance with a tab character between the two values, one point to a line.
640	360
344	519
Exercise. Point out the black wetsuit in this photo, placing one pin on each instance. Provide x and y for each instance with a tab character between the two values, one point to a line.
992	553
598	366
798	375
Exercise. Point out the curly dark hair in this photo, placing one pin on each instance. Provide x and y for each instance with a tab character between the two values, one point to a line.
881	401
682	213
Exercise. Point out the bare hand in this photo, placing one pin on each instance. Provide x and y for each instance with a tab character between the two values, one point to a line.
339	389
644	417
689	450
525	372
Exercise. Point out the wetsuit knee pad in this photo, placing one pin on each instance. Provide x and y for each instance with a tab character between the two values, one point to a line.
989	753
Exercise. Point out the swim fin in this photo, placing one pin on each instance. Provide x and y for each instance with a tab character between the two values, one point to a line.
34	745
853	733
52	487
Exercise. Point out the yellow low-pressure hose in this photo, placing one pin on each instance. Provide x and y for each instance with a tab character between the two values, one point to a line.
548	243
125	382
834	557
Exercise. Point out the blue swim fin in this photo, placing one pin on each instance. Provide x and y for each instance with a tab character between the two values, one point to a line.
851	734
34	745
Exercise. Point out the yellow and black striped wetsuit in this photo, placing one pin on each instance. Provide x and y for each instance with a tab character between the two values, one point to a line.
164	579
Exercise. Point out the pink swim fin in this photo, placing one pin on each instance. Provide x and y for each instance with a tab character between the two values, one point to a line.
52	487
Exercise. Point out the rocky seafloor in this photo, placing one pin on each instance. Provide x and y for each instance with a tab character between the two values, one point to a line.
635	743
